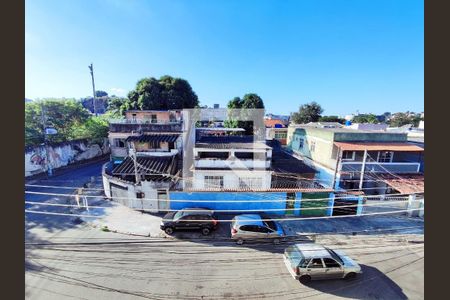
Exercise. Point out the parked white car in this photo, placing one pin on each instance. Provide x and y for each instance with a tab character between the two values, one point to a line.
311	261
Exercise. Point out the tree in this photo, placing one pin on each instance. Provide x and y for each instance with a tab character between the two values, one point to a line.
310	112
249	101
365	118
401	119
164	93
331	119
101	93
65	115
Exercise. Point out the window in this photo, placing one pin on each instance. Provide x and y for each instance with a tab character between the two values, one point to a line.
300	145
154	119
312	147
348	155
120	143
331	263
213	182
385	156
316	263
250	182
133	117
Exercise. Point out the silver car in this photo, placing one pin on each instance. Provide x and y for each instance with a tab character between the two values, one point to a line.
308	262
254	227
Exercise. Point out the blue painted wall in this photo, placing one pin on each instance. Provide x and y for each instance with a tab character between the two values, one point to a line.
210	201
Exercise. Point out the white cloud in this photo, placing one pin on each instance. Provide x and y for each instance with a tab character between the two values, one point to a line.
117	91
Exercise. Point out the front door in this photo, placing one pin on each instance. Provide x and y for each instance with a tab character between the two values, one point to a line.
333	269
316	268
163	203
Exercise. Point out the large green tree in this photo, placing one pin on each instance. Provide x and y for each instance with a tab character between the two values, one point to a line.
249	101
164	93
65	115
309	112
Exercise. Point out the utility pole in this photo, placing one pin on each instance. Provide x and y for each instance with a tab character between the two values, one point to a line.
363	167
91	67
44	127
132	152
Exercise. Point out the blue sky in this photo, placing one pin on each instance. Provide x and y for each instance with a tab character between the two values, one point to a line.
347	55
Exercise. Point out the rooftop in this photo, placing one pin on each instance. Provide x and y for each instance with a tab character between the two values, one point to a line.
313	250
155	168
379	146
344	129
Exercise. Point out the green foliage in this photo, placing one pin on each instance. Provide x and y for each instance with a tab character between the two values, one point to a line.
166	93
401	119
310	112
331	119
100	93
249	101
67	116
365	118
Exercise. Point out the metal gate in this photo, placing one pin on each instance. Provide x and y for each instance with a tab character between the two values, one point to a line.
343	207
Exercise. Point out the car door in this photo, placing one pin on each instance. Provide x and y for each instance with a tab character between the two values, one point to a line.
316	268
249	232
333	269
183	222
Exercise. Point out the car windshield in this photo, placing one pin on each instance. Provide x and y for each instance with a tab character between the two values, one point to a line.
294	256
178	215
336	256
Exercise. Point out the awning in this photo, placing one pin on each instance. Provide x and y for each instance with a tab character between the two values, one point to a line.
145	138
406	147
405	184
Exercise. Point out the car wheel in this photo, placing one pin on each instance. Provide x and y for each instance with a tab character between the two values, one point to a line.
205	231
240	241
168	230
305	279
350	276
276	241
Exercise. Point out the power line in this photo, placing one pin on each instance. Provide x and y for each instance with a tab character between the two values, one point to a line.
262	219
237	210
222	201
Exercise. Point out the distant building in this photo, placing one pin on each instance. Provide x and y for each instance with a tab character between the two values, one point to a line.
28	100
347	158
368	126
276	129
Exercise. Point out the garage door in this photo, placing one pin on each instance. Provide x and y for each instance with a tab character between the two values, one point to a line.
341	207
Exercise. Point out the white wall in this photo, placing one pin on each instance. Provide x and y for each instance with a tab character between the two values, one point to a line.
231	178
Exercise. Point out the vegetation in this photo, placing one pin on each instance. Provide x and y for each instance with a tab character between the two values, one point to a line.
71	120
310	112
164	93
332	119
366	118
249	101
400	119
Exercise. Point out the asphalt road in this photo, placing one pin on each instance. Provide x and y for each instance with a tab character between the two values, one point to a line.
68	261
85	263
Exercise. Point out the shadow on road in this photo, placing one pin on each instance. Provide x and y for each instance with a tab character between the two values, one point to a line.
372	284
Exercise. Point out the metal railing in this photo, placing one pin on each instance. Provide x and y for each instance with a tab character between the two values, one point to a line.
143	121
393	167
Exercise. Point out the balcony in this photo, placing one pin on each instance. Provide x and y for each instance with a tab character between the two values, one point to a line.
393	167
231	164
123	125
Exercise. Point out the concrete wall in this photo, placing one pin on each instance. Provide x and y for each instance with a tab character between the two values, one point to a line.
126	193
228	201
60	155
231	178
